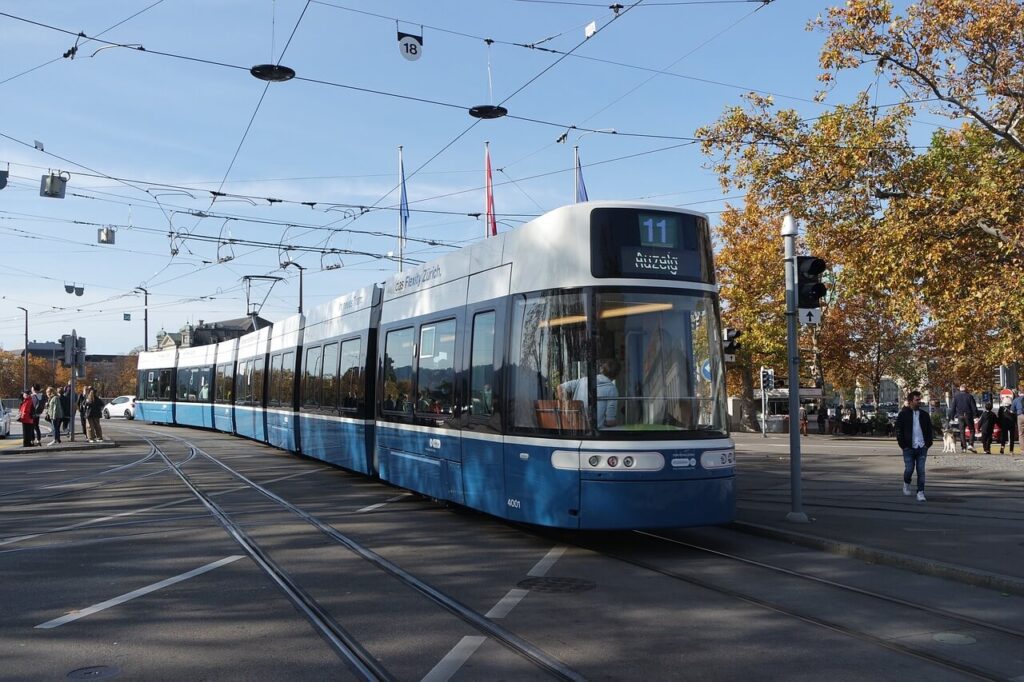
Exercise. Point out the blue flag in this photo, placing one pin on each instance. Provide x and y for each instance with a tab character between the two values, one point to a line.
581	189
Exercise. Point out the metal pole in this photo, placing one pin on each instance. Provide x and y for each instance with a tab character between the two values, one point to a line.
301	269
25	352
401	236
764	406
575	172
73	401
796	513
145	318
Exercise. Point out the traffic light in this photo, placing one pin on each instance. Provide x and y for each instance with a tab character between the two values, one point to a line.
731	344
809	289
767	379
67	351
80	356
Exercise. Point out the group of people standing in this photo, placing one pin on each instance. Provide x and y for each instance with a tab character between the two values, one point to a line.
964	410
56	406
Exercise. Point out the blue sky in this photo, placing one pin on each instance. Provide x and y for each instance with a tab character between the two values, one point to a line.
147	137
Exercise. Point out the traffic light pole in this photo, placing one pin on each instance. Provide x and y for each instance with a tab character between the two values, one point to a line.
796	513
73	398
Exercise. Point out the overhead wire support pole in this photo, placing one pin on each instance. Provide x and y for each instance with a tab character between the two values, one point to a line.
24	353
796	513
145	317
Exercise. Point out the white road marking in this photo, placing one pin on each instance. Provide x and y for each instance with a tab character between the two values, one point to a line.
380	504
450	664
102	606
49	471
545	564
507	603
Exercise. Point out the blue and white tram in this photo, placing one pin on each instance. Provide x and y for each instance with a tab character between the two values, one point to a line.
194	386
154	395
224	386
567	373
335	385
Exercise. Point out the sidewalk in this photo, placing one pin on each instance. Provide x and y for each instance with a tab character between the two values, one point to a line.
971	528
13	446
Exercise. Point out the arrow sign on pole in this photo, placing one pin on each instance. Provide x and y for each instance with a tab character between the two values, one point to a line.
809	316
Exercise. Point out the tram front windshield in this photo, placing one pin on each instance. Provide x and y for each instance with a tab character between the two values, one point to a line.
618	363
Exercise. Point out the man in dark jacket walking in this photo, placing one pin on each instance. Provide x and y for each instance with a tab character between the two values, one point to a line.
914	436
964	409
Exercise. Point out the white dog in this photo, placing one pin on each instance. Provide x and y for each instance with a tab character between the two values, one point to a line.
948	442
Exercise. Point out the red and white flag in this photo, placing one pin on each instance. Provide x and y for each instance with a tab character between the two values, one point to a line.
491	228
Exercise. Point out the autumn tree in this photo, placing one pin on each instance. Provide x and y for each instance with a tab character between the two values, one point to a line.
928	236
753	287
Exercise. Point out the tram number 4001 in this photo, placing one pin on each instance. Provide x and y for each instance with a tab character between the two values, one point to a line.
514	503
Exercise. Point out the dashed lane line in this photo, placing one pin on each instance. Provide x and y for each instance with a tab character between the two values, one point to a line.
142	591
370	508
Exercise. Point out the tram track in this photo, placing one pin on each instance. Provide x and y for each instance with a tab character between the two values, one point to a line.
974	671
360	661
77	479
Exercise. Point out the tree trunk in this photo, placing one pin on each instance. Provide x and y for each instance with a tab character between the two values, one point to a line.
749	419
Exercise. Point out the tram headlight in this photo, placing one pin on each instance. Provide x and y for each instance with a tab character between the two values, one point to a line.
594	460
627	462
613	461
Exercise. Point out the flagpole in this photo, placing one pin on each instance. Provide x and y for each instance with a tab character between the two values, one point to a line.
401	218
576	173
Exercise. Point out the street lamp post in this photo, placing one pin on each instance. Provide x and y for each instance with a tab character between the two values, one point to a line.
145	317
301	270
25	352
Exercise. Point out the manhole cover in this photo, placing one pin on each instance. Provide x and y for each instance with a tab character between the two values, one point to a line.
94	672
953	638
556	584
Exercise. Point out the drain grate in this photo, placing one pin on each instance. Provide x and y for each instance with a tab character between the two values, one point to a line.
561	585
95	672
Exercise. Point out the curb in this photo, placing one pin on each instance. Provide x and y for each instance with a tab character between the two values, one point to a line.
938	569
63	447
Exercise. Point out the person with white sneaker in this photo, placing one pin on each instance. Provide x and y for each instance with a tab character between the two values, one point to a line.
914	436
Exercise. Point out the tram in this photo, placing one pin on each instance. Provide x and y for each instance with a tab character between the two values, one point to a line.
567	373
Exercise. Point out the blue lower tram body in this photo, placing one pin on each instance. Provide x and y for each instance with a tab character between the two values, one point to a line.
155	411
517	481
194	414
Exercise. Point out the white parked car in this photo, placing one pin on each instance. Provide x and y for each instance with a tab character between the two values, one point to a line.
121	406
5	422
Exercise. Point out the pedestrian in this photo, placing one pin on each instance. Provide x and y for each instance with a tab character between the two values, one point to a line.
964	409
38	410
65	408
93	413
1007	419
26	415
81	406
802	413
986	424
914	436
821	419
54	414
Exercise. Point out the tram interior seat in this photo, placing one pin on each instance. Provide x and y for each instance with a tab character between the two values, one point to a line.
561	415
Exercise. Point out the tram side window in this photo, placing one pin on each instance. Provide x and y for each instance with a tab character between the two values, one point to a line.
436	377
243	383
311	379
164	385
142	389
194	384
330	375
351	375
274	397
225	386
398	370
284	382
258	373
481	379
549	348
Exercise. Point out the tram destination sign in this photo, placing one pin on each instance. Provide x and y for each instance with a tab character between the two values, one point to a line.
650	244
